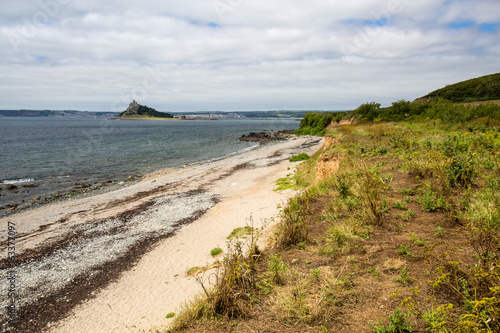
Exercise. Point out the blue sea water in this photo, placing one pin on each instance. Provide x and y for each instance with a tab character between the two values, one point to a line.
46	157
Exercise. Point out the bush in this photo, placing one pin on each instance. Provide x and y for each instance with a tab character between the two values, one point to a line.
216	251
460	172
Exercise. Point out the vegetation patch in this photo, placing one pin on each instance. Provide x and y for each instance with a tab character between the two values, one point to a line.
285	183
215	251
300	157
241	232
407	238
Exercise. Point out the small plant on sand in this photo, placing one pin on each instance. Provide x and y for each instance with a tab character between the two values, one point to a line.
374	271
241	232
286	183
439	232
315	274
403	277
216	251
417	240
193	270
404	251
277	268
397	324
409	192
400	205
407	216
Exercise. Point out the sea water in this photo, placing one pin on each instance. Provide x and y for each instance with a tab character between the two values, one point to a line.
47	158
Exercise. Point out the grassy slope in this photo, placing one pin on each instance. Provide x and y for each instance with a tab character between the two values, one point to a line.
478	89
409	221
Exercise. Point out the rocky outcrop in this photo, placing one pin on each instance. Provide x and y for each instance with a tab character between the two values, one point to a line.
326	166
265	136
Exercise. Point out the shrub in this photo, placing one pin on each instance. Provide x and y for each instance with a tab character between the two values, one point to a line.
277	268
460	172
342	186
372	187
216	251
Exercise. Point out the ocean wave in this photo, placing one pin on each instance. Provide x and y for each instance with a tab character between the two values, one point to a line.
240	151
18	181
244	150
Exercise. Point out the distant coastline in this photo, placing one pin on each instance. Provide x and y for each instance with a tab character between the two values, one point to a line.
56	113
188	115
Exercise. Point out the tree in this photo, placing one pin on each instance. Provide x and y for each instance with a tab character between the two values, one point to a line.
400	108
368	111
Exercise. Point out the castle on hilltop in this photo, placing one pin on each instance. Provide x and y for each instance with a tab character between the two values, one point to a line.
132	109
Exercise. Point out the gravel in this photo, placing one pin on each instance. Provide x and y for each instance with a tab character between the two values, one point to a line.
98	242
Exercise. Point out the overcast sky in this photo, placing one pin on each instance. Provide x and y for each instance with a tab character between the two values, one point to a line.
239	54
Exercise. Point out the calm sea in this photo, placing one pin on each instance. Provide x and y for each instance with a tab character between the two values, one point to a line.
43	159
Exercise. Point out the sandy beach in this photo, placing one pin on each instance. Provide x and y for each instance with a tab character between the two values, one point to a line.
117	262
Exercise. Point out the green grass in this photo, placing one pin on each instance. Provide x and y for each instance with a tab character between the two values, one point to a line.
286	183
300	157
241	232
193	270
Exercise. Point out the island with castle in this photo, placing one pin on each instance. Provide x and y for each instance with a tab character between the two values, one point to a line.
138	111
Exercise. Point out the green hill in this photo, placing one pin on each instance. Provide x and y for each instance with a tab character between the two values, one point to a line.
135	110
483	88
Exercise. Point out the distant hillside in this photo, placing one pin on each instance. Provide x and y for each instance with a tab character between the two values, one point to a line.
136	110
479	89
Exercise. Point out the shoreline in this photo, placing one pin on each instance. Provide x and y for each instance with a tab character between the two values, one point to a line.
97	187
62	225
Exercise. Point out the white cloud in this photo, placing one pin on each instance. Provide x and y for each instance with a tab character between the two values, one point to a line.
238	54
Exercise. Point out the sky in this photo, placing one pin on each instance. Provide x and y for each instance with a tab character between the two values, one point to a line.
239	55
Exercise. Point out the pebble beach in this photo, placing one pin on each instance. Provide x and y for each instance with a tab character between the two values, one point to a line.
117	261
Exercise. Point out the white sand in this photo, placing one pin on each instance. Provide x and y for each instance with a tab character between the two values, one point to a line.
158	284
